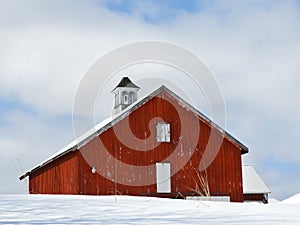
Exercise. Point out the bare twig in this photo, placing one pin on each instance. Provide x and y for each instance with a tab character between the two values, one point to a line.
201	185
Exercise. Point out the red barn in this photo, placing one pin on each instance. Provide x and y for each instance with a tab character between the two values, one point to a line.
157	146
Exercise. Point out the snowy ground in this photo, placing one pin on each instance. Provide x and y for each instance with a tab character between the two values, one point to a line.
62	209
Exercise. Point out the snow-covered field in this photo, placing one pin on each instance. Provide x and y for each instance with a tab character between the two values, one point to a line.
62	209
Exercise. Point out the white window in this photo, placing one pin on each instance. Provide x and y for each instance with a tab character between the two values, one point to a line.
163	132
117	99
131	97
163	181
126	100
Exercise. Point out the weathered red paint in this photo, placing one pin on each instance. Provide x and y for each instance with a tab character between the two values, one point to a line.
57	177
71	174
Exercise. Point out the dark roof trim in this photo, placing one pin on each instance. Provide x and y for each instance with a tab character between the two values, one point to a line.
125	113
48	161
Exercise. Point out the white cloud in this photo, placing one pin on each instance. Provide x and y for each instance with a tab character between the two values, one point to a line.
253	48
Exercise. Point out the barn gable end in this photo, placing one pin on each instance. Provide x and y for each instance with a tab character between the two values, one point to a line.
224	174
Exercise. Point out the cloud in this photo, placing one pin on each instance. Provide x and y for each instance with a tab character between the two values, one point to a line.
27	138
253	47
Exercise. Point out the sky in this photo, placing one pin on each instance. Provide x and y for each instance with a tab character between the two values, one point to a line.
252	47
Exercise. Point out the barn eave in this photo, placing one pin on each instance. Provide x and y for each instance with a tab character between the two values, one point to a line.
109	122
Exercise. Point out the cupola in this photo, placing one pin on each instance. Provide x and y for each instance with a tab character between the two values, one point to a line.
125	94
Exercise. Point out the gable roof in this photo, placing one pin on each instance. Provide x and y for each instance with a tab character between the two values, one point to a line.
252	182
110	121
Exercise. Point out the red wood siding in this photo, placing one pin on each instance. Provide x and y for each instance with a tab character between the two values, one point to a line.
224	174
255	197
58	177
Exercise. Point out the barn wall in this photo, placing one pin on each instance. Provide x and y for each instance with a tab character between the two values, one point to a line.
255	197
224	174
58	177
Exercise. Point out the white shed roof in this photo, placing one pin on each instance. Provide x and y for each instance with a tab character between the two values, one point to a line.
252	182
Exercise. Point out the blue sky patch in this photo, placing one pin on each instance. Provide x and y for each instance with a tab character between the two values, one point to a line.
165	10
124	6
11	105
289	167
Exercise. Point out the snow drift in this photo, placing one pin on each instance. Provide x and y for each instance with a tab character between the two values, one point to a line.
293	200
63	209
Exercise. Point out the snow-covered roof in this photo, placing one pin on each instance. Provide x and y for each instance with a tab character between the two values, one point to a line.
110	121
252	182
86	137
